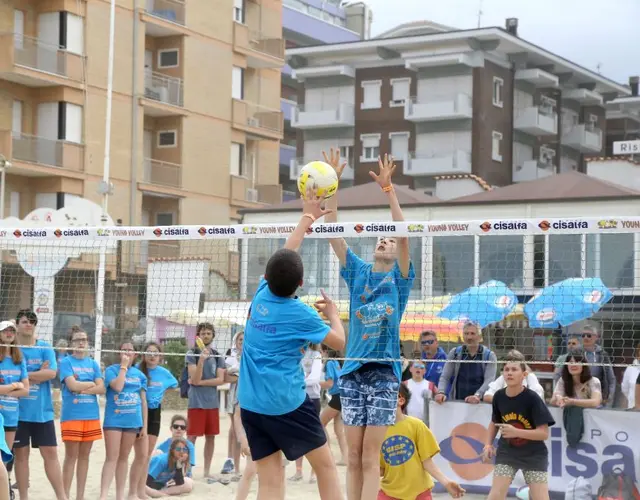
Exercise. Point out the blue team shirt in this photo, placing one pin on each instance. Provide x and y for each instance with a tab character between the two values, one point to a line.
11	372
376	303
124	409
332	371
166	445
160	379
5	451
79	406
271	378
37	406
159	469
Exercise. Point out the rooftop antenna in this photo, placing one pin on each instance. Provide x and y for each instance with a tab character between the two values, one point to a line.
599	67
480	13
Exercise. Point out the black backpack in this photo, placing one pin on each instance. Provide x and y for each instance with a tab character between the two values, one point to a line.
184	383
616	485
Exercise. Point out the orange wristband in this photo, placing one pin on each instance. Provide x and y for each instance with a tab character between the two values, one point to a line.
313	219
388	188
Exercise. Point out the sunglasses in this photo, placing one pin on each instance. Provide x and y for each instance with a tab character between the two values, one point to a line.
587	335
427	342
417	365
181	449
179	427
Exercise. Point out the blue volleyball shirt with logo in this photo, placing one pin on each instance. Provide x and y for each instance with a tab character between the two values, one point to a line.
79	406
159	469
160	379
166	445
38	406
10	373
377	302
124	409
332	371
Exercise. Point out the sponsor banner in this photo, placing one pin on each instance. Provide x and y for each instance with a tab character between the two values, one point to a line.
410	229
609	441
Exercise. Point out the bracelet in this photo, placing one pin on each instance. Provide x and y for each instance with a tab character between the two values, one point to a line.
313	219
388	188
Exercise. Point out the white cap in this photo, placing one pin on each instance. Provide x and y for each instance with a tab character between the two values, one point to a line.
7	324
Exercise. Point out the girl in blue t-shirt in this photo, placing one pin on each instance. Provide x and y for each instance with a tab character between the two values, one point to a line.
168	472
81	381
159	379
125	417
14	380
332	372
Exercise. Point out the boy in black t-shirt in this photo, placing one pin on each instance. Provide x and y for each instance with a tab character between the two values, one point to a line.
523	420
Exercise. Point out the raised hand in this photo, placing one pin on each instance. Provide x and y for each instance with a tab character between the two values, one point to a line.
334	160
313	204
386	168
326	306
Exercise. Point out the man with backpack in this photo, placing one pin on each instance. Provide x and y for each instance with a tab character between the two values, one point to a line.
467	381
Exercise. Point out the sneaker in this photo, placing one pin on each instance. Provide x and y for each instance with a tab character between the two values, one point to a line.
297	477
228	466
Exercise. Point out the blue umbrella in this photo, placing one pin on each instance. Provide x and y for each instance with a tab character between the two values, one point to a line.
484	304
566	302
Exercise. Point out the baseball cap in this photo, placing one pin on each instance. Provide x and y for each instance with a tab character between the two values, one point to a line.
7	324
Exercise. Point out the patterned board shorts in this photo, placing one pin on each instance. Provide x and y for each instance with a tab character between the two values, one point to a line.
530	476
369	396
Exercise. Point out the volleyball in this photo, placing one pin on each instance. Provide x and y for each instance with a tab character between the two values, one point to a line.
320	176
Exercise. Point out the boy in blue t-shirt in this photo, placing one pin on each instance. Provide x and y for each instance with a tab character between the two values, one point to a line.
276	413
378	296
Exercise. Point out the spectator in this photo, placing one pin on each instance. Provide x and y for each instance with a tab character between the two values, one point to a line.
467	381
432	351
594	353
574	343
530	380
577	387
628	386
421	389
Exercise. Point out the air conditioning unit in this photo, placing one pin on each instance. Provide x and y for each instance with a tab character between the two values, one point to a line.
253	122
252	195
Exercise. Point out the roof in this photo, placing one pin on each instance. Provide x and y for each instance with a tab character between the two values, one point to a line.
415	28
624	158
362	196
509	45
561	187
481	182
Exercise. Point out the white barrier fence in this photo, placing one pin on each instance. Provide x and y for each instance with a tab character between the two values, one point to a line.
610	440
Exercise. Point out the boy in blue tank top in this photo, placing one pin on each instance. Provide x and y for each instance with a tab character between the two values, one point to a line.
378	296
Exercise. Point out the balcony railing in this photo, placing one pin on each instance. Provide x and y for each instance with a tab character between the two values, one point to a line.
56	153
273	47
339	115
433	108
249	114
167	10
163	88
162	173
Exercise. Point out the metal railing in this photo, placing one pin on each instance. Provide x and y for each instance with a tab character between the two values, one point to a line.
57	153
162	173
36	54
262	117
271	46
167	10
163	88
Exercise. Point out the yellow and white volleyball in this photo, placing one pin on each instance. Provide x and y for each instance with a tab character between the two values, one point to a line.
320	176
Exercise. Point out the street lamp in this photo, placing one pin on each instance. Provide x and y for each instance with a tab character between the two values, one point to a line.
4	165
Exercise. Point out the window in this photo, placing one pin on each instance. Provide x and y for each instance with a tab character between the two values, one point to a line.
72	123
370	147
346	152
498	85
610	257
72	33
238	11
164	219
16	125
236	160
168	58
399	145
18	29
258	253
400	90
237	83
452	264
371	95
501	258
495	146
14	204
167	138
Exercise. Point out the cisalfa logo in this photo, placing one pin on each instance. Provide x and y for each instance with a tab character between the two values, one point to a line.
545	225
202	231
358	228
58	233
158	232
17	233
463	450
486	226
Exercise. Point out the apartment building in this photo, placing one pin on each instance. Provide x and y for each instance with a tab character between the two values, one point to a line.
443	101
623	117
306	23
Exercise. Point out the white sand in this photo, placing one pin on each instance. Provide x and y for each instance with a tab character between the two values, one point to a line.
40	487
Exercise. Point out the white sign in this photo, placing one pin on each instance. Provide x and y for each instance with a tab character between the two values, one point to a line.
609	441
626	148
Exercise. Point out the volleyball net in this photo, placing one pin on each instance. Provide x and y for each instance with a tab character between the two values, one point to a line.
158	283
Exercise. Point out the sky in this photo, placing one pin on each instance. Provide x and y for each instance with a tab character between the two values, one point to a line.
604	39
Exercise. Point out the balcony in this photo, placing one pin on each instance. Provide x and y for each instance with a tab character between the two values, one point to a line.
261	51
162	250
584	137
296	165
427	164
530	170
287	153
163	95
341	116
162	173
428	110
31	62
164	18
36	155
243	192
584	97
258	121
315	27
536	121
537	77
287	107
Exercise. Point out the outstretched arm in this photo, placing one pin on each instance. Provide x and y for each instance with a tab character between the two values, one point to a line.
383	178
339	245
312	209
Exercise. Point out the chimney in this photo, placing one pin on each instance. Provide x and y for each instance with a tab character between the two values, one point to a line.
633	83
512	26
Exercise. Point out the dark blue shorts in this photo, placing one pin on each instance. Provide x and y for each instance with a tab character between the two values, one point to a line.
35	433
295	433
